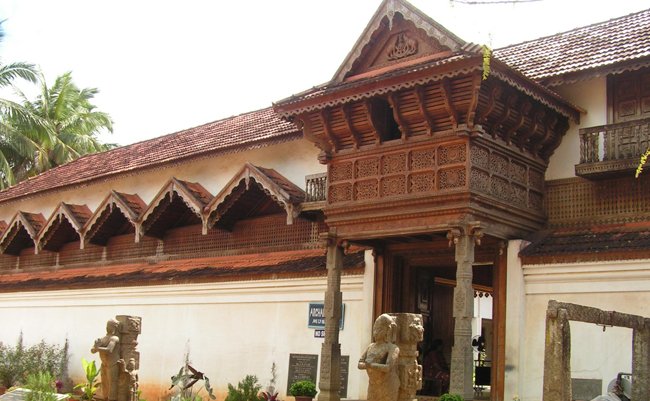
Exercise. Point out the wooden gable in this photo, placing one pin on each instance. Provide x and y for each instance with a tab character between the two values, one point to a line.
398	34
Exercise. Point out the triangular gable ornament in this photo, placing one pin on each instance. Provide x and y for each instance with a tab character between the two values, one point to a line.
397	32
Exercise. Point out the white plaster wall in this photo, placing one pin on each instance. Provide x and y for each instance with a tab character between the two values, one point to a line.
294	160
590	95
514	385
623	286
231	329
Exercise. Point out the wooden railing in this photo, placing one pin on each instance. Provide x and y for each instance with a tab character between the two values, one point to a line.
616	147
316	187
620	141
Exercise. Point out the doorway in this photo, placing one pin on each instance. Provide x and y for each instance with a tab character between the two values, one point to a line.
420	278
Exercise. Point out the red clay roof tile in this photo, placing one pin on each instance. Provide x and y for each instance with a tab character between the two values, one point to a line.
310	261
590	47
248	130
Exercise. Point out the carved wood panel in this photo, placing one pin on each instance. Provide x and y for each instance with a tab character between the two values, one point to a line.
499	174
427	168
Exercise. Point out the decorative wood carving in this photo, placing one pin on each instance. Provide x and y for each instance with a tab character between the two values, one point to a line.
345	109
394	103
372	121
475	91
523	111
324	118
449	106
404	46
420	95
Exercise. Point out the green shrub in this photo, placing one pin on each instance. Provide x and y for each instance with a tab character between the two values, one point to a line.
450	397
42	387
89	387
18	362
303	388
246	390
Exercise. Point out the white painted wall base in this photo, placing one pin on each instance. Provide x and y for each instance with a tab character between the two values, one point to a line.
230	329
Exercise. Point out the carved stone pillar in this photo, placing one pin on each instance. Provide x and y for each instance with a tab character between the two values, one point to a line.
641	363
330	356
462	364
557	356
409	333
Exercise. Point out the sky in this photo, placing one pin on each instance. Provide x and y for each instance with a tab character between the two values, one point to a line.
162	66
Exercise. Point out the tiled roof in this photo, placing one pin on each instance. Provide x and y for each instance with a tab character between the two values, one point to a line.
244	131
296	194
630	241
594	46
264	265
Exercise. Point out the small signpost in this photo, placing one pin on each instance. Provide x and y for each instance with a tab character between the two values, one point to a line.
316	316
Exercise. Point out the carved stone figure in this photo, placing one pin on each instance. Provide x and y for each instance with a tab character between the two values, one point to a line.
108	348
119	379
409	333
128	380
380	361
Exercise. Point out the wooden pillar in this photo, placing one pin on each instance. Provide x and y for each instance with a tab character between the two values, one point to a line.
330	356
462	364
641	363
557	356
499	323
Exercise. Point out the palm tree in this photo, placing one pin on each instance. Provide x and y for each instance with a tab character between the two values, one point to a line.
12	144
62	123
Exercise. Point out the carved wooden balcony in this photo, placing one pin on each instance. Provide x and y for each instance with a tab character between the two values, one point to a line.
613	149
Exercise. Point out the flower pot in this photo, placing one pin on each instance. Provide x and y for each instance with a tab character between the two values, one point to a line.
3	390
303	398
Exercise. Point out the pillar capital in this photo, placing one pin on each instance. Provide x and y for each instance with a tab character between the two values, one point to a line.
473	229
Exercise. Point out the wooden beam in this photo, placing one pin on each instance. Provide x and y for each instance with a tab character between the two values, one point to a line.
394	104
422	106
324	119
371	120
523	111
445	86
356	137
477	80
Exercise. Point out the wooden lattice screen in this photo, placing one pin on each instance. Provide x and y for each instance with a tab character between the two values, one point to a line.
265	233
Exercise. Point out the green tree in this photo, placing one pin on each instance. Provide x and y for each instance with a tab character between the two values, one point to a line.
12	143
61	123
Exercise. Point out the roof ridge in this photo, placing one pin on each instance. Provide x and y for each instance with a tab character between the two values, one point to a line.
572	30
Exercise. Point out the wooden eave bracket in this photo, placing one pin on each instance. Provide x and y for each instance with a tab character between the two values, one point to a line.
449	105
420	95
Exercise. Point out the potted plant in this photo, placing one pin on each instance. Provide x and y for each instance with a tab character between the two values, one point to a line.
303	390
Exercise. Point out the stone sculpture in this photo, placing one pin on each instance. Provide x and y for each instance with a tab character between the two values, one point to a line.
409	333
119	379
380	360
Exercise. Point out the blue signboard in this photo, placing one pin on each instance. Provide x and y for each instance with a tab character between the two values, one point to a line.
316	316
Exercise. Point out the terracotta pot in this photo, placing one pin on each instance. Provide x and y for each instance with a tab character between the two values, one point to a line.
303	398
3	390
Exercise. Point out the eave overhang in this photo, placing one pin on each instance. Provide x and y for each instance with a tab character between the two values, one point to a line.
462	63
21	232
279	189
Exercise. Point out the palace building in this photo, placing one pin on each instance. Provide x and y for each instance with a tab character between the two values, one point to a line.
416	180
